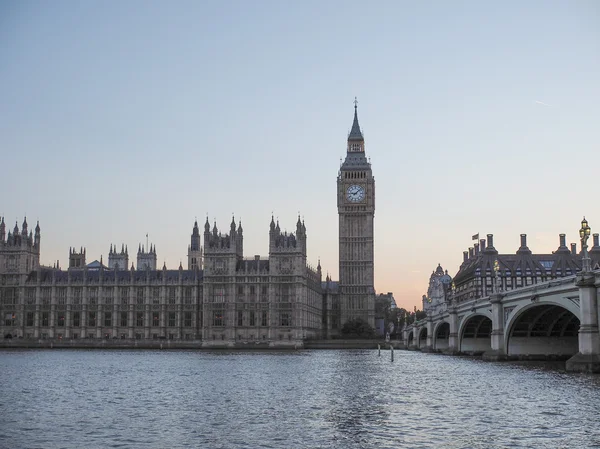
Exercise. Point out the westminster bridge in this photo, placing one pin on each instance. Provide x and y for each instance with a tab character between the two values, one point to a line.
557	319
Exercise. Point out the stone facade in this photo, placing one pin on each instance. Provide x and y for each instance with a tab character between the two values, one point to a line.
275	301
438	291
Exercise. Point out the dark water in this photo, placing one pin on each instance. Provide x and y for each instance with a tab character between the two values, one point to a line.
305	399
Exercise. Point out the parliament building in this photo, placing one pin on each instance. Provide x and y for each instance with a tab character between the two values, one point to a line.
222	299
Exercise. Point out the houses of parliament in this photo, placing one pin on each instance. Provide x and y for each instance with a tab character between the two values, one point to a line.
222	299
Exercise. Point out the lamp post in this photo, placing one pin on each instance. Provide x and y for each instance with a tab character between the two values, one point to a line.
497	273
584	234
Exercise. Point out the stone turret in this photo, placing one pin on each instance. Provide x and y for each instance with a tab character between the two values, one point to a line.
77	259
195	249
146	260
118	260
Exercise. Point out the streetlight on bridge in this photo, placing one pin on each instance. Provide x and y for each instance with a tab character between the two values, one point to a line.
497	275
584	234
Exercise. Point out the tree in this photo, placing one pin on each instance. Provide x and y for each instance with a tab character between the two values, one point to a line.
357	328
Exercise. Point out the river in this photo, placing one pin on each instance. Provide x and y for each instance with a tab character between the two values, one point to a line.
303	399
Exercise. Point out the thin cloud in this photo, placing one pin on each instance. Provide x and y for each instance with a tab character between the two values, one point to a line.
542	103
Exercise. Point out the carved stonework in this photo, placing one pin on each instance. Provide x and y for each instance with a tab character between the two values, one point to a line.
507	312
574	300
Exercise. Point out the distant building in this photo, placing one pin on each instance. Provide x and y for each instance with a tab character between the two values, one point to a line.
438	291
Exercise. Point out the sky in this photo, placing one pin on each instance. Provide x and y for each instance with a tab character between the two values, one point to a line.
121	119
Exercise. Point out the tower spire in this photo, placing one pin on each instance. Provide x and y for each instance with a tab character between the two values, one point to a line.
355	132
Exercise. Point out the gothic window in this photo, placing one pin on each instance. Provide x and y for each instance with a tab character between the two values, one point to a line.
60	319
30	319
107	319
124	320
124	293
77	295
218	318
155	295
219	294
139	319
252	319
240	318
264	319
172	319
46	295
30	296
61	293
171	295
45	319
285	319
187	319
76	319
108	295
92	319
140	295
187	295
155	319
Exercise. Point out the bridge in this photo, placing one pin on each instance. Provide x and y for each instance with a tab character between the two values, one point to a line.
557	319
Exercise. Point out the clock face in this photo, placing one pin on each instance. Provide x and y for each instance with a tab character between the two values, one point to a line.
355	194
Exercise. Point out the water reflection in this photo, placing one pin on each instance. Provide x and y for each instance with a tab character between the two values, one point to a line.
327	399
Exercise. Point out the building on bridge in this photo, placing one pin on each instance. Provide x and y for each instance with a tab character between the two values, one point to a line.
479	273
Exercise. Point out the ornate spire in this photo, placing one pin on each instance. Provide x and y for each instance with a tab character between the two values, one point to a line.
355	133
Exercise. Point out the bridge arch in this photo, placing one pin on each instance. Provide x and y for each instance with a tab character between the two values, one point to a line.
543	329
422	337
475	333
441	335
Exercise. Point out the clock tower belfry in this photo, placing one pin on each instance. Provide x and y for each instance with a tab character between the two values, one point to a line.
356	210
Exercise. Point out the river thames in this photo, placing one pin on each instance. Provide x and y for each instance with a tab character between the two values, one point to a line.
303	399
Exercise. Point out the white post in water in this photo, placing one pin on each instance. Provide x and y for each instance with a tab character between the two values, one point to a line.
392	352
378	350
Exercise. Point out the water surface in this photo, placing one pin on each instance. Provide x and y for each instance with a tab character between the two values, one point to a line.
316	399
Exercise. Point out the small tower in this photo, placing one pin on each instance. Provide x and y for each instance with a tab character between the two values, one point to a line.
19	252
146	260
76	259
195	249
118	260
2	231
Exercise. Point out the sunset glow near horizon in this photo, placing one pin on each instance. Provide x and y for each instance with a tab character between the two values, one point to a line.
119	120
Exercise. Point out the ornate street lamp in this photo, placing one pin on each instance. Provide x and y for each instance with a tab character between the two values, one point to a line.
584	234
497	274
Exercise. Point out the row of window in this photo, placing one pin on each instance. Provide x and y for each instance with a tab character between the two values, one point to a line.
105	319
285	319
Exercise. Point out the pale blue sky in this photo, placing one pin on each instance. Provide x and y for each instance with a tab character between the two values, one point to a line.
121	118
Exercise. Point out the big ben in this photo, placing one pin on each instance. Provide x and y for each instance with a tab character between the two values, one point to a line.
356	210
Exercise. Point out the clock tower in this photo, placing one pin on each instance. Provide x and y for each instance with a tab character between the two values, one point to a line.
356	210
